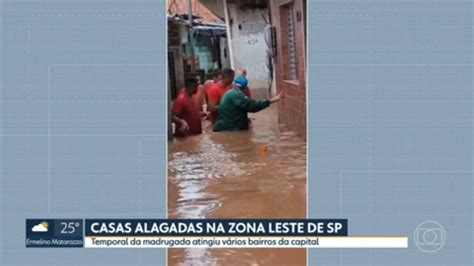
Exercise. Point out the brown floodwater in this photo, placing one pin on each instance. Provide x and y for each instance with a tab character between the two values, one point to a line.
229	175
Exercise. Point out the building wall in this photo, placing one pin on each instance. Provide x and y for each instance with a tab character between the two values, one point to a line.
176	37
225	61
211	52
292	109
249	47
203	49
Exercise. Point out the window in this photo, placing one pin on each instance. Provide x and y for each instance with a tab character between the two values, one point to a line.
289	56
292	63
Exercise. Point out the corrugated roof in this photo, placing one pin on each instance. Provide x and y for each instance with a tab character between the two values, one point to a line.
180	7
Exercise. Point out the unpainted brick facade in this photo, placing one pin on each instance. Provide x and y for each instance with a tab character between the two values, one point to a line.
289	17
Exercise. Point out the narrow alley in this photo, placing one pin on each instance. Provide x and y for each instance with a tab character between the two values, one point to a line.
258	173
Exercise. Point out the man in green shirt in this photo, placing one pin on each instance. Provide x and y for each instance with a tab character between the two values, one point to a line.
235	105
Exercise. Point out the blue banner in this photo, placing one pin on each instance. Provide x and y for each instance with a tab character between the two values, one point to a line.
54	233
215	227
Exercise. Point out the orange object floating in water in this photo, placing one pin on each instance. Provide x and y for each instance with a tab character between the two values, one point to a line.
263	149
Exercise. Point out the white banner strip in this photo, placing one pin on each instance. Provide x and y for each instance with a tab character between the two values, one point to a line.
246	242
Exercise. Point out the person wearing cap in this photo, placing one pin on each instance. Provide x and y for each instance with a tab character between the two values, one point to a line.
235	105
243	73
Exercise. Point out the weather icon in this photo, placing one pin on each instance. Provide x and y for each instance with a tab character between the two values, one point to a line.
41	227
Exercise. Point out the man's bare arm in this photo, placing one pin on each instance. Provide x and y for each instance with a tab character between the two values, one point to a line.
183	125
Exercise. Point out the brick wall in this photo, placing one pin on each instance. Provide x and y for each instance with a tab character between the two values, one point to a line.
292	109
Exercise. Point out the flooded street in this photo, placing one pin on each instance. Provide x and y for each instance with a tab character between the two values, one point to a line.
260	173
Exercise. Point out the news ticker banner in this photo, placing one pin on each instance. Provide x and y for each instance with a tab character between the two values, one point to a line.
200	233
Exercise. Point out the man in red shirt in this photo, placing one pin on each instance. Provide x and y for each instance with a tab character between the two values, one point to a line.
198	97
212	78
186	113
217	90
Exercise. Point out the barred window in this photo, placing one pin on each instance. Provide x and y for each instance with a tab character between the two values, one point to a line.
291	42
